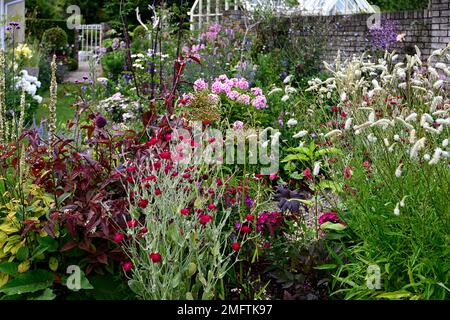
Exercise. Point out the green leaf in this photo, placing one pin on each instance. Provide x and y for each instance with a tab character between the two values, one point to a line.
332	185
28	282
53	264
326	151
22	254
296	157
10	268
189	296
63	197
332	226
326	267
47	294
395	295
137	287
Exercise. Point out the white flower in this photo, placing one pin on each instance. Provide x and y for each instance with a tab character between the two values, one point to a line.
412	136
402	202
316	169
292	122
436	156
438	84
426	157
274	90
285	98
398	171
372	117
38	98
371	138
343	96
288	79
300	134
397	210
333	133
102	79
416	148
445	143
348	124
411	117
396	137
31	89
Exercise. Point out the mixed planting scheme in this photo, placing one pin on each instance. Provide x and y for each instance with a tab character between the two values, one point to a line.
222	164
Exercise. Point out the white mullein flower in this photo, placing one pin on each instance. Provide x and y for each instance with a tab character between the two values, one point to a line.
316	169
398	171
426	157
411	117
436	156
348	124
412	136
300	134
333	133
292	122
445	143
397	210
396	137
438	84
371	138
416	148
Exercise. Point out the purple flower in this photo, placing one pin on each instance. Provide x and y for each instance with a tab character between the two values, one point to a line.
100	121
383	36
248	201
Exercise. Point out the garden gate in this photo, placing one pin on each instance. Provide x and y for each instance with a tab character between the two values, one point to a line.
90	41
205	11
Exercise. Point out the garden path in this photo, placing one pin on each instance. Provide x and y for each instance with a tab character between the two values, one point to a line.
83	71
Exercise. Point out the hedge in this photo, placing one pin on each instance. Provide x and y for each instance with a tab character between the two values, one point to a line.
35	28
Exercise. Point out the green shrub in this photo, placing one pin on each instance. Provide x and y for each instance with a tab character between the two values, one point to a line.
72	64
113	62
54	39
139	32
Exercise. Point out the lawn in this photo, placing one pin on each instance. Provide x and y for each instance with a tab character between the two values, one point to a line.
66	98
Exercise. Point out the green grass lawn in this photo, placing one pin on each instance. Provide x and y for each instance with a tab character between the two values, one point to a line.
67	96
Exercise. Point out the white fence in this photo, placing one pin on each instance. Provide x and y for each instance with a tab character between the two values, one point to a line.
90	41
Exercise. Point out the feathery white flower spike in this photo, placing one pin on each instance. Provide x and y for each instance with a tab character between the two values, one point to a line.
316	169
300	134
436	156
348	124
397	210
416	148
398	171
445	143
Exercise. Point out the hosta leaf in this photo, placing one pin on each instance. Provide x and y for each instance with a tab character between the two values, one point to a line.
31	281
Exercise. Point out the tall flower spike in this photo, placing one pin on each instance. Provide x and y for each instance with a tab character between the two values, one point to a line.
52	109
22	113
2	97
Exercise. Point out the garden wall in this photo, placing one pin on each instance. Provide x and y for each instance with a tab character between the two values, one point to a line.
428	29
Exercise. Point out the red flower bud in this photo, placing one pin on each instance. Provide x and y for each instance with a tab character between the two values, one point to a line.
143	203
250	217
184	211
212	206
118	237
155	257
235	246
127	266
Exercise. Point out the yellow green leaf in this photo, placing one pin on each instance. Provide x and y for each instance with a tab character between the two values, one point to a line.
3	278
53	264
24	266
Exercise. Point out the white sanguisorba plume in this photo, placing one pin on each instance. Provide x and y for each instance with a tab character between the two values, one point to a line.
445	143
416	148
52	108
436	156
316	169
300	134
348	123
398	171
333	133
397	210
22	113
292	122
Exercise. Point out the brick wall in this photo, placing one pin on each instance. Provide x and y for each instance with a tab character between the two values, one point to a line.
428	29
